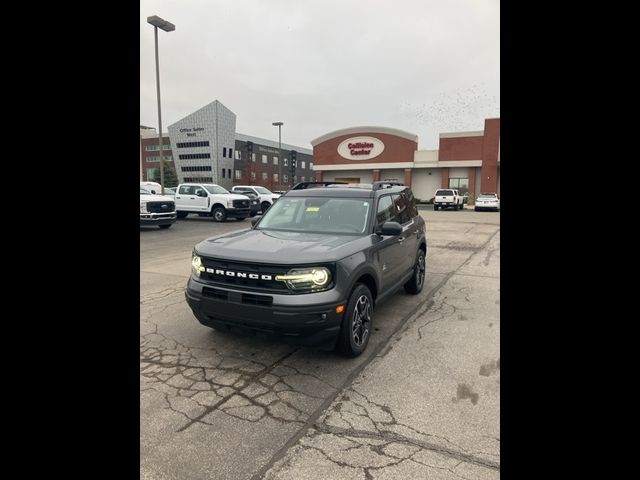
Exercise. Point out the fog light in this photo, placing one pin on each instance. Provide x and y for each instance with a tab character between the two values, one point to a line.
340	309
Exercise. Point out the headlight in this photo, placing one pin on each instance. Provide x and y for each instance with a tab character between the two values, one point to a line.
196	265
143	207
313	278
229	203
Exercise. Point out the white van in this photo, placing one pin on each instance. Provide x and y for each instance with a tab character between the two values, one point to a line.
153	187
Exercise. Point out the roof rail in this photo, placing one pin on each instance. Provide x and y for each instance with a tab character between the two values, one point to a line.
305	185
381	185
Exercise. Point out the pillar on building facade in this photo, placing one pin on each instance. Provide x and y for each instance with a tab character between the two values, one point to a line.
376	175
472	182
407	176
445	178
318	176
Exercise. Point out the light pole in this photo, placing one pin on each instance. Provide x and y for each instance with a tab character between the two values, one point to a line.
279	125
158	22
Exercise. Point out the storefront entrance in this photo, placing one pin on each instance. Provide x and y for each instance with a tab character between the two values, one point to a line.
347	180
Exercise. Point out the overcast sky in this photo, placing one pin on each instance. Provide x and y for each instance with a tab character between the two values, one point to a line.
423	66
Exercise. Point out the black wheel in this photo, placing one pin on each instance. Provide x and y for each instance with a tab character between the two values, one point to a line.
435	208
219	214
416	282
264	206
357	323
182	214
164	227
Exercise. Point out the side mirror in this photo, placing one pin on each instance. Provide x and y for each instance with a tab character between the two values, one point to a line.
389	228
255	220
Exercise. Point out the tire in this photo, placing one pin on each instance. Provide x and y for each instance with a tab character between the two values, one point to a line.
264	206
357	324
416	282
182	214
219	214
241	218
164	227
435	208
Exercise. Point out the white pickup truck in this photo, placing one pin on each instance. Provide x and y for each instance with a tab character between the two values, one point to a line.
448	197
208	199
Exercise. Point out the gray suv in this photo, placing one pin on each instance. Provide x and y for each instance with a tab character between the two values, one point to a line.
312	269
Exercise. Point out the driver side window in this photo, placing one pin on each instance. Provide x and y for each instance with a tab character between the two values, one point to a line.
198	191
386	211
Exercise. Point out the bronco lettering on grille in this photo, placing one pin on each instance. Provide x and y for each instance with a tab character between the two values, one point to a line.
230	273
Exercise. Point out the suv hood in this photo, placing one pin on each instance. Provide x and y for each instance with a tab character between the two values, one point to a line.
156	198
281	247
236	196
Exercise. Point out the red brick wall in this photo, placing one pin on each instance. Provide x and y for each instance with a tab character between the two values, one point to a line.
396	149
407	176
472	181
489	180
460	148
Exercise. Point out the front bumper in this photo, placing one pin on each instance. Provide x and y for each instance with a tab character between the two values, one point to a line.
238	212
309	319
153	219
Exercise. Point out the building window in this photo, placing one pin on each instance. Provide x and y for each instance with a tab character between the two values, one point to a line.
157	159
192	144
223	172
151	148
253	176
153	174
253	157
460	184
310	165
285	178
264	159
238	172
238	155
228	173
231	153
198	180
302	179
224	152
265	176
275	160
303	165
193	156
275	177
286	162
198	168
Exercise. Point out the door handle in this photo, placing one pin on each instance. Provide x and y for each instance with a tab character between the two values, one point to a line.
192	198
178	197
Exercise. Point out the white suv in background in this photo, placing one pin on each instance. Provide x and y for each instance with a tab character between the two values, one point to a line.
487	201
267	197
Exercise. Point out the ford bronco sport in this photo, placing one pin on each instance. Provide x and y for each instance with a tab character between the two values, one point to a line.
312	269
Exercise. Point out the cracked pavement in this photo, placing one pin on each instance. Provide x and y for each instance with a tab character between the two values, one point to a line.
422	402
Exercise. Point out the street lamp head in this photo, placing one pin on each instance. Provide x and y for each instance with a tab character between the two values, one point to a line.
277	124
156	21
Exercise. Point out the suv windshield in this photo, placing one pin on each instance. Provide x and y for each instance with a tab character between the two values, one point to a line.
216	189
262	190
444	192
317	215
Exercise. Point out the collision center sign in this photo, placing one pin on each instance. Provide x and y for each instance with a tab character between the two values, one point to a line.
360	148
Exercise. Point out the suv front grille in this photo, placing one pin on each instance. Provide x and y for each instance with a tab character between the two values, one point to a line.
241	203
160	207
246	270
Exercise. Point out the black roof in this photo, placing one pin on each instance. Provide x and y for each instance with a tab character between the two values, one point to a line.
341	189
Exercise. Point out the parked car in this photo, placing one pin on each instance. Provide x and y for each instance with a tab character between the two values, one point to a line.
169	191
448	197
209	199
255	203
314	267
157	210
153	187
267	197
487	201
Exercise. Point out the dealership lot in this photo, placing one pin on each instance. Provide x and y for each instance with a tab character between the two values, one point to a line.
422	400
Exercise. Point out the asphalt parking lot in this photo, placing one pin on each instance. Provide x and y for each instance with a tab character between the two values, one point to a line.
421	402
